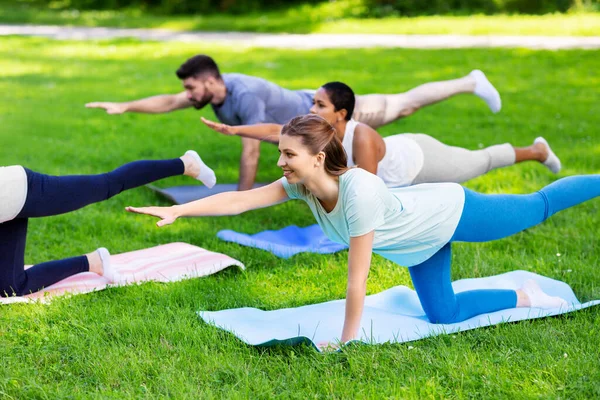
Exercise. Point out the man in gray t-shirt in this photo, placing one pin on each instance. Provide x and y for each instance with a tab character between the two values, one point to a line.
239	99
252	100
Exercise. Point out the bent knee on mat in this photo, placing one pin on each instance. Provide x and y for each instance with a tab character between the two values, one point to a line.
443	316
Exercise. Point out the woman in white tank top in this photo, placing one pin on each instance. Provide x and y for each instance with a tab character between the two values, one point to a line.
403	159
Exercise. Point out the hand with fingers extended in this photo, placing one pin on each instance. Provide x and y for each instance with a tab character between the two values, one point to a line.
328	347
167	215
110	108
221	128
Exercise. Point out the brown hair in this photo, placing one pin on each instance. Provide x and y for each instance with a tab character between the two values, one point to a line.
318	135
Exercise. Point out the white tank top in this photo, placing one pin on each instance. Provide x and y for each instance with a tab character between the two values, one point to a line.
13	191
402	162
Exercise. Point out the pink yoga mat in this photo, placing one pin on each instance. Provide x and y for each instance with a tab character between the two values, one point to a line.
166	263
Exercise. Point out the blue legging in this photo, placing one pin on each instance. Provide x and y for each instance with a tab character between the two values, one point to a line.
485	218
53	195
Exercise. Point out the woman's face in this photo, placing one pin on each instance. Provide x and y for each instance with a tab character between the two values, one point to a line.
323	107
295	159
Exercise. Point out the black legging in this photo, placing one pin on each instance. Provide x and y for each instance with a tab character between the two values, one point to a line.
53	195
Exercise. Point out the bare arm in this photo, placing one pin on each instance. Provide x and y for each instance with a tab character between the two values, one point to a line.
367	148
263	132
359	263
151	105
228	203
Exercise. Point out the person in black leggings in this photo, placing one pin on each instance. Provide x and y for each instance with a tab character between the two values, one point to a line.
52	195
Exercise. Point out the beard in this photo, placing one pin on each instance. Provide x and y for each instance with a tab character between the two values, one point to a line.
200	104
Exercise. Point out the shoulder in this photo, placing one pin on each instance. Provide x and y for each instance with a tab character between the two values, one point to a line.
364	134
237	83
358	181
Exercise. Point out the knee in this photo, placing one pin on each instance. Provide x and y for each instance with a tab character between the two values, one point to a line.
408	109
113	185
442	315
10	291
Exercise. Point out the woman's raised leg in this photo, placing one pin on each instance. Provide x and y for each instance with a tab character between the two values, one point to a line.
488	217
52	195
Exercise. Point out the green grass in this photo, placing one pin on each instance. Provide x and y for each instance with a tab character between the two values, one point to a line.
328	17
146	341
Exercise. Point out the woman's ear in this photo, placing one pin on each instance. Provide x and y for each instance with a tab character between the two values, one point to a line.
342	114
320	159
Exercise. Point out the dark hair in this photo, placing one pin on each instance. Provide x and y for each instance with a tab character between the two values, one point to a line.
318	135
198	65
341	96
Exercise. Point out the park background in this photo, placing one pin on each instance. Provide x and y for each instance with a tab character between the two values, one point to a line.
146	341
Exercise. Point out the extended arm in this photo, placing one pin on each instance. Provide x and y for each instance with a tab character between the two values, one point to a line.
263	132
151	105
228	203
359	263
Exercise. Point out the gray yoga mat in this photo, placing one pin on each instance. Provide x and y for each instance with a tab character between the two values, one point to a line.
185	194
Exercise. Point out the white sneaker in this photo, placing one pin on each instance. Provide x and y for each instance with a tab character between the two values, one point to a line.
552	161
206	175
108	270
486	91
539	299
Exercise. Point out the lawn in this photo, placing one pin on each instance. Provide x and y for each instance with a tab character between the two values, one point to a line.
146	341
327	17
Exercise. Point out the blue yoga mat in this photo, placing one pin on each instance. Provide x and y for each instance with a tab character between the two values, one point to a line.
286	242
394	315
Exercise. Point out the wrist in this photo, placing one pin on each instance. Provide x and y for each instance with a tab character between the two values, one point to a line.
345	339
176	211
348	336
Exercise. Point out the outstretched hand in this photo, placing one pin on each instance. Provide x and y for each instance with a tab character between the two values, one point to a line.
166	214
111	108
328	347
221	128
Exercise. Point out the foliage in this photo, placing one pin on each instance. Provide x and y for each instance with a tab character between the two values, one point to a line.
343	16
365	8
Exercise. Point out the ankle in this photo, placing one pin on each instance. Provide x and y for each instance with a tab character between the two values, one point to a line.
523	299
541	151
191	167
95	263
469	83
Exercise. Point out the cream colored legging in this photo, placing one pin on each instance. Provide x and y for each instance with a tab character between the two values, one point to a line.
377	110
443	163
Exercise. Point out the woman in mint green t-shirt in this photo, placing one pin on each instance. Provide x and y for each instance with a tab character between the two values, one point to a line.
412	226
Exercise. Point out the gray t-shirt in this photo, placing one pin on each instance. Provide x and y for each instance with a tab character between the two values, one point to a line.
252	100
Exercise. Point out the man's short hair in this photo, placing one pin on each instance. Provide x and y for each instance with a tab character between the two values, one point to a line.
198	65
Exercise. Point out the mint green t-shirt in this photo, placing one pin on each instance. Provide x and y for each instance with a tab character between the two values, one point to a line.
411	224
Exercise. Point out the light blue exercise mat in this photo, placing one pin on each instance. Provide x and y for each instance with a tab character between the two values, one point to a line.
394	315
286	242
